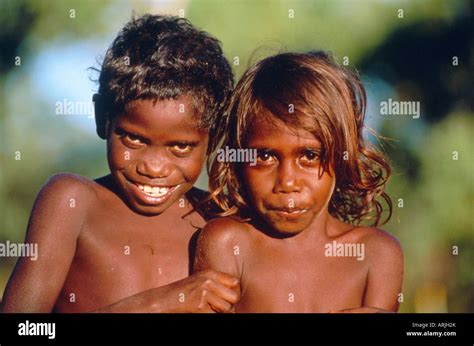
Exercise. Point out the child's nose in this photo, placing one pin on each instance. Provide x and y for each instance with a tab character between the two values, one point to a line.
156	167
286	181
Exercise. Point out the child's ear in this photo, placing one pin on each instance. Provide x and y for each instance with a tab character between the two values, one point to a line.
100	116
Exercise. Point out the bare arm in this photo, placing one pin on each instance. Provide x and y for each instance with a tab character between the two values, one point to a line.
385	277
217	247
55	223
206	291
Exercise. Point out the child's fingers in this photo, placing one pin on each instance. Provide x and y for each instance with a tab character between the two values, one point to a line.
226	279
218	304
228	294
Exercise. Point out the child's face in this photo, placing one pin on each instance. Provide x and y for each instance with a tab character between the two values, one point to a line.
155	153
284	185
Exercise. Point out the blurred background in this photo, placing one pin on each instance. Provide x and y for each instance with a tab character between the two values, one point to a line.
405	50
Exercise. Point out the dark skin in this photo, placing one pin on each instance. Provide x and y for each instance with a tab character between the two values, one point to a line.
122	243
280	254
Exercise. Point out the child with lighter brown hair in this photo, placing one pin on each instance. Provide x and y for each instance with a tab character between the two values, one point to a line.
294	229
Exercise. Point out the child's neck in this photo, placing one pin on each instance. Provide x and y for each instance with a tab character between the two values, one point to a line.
317	230
325	226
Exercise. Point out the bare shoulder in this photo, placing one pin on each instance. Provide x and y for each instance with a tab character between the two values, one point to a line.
67	190
384	257
380	244
225	230
55	224
69	182
216	245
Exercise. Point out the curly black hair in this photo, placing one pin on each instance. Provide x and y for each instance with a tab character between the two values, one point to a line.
164	57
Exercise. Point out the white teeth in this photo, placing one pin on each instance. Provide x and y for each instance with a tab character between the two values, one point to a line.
154	191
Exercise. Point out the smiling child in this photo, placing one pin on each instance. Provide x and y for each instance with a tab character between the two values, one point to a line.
294	229
124	242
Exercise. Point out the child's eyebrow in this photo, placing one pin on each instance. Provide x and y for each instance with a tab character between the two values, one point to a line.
123	131
264	149
183	141
311	148
259	147
315	146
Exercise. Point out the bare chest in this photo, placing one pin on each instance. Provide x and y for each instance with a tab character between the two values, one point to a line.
116	259
306	281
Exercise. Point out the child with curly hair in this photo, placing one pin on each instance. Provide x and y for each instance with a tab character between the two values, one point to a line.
124	242
294	228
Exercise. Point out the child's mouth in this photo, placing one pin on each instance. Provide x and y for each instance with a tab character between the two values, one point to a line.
290	214
155	191
152	195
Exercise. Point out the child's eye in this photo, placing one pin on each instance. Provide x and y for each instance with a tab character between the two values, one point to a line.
310	157
182	148
131	140
264	157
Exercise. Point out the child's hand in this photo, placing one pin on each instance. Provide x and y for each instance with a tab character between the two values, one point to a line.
361	310
205	291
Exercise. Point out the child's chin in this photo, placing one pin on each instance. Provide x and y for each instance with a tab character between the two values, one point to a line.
287	229
149	210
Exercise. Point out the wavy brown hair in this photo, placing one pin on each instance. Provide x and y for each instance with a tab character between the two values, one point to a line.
329	101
